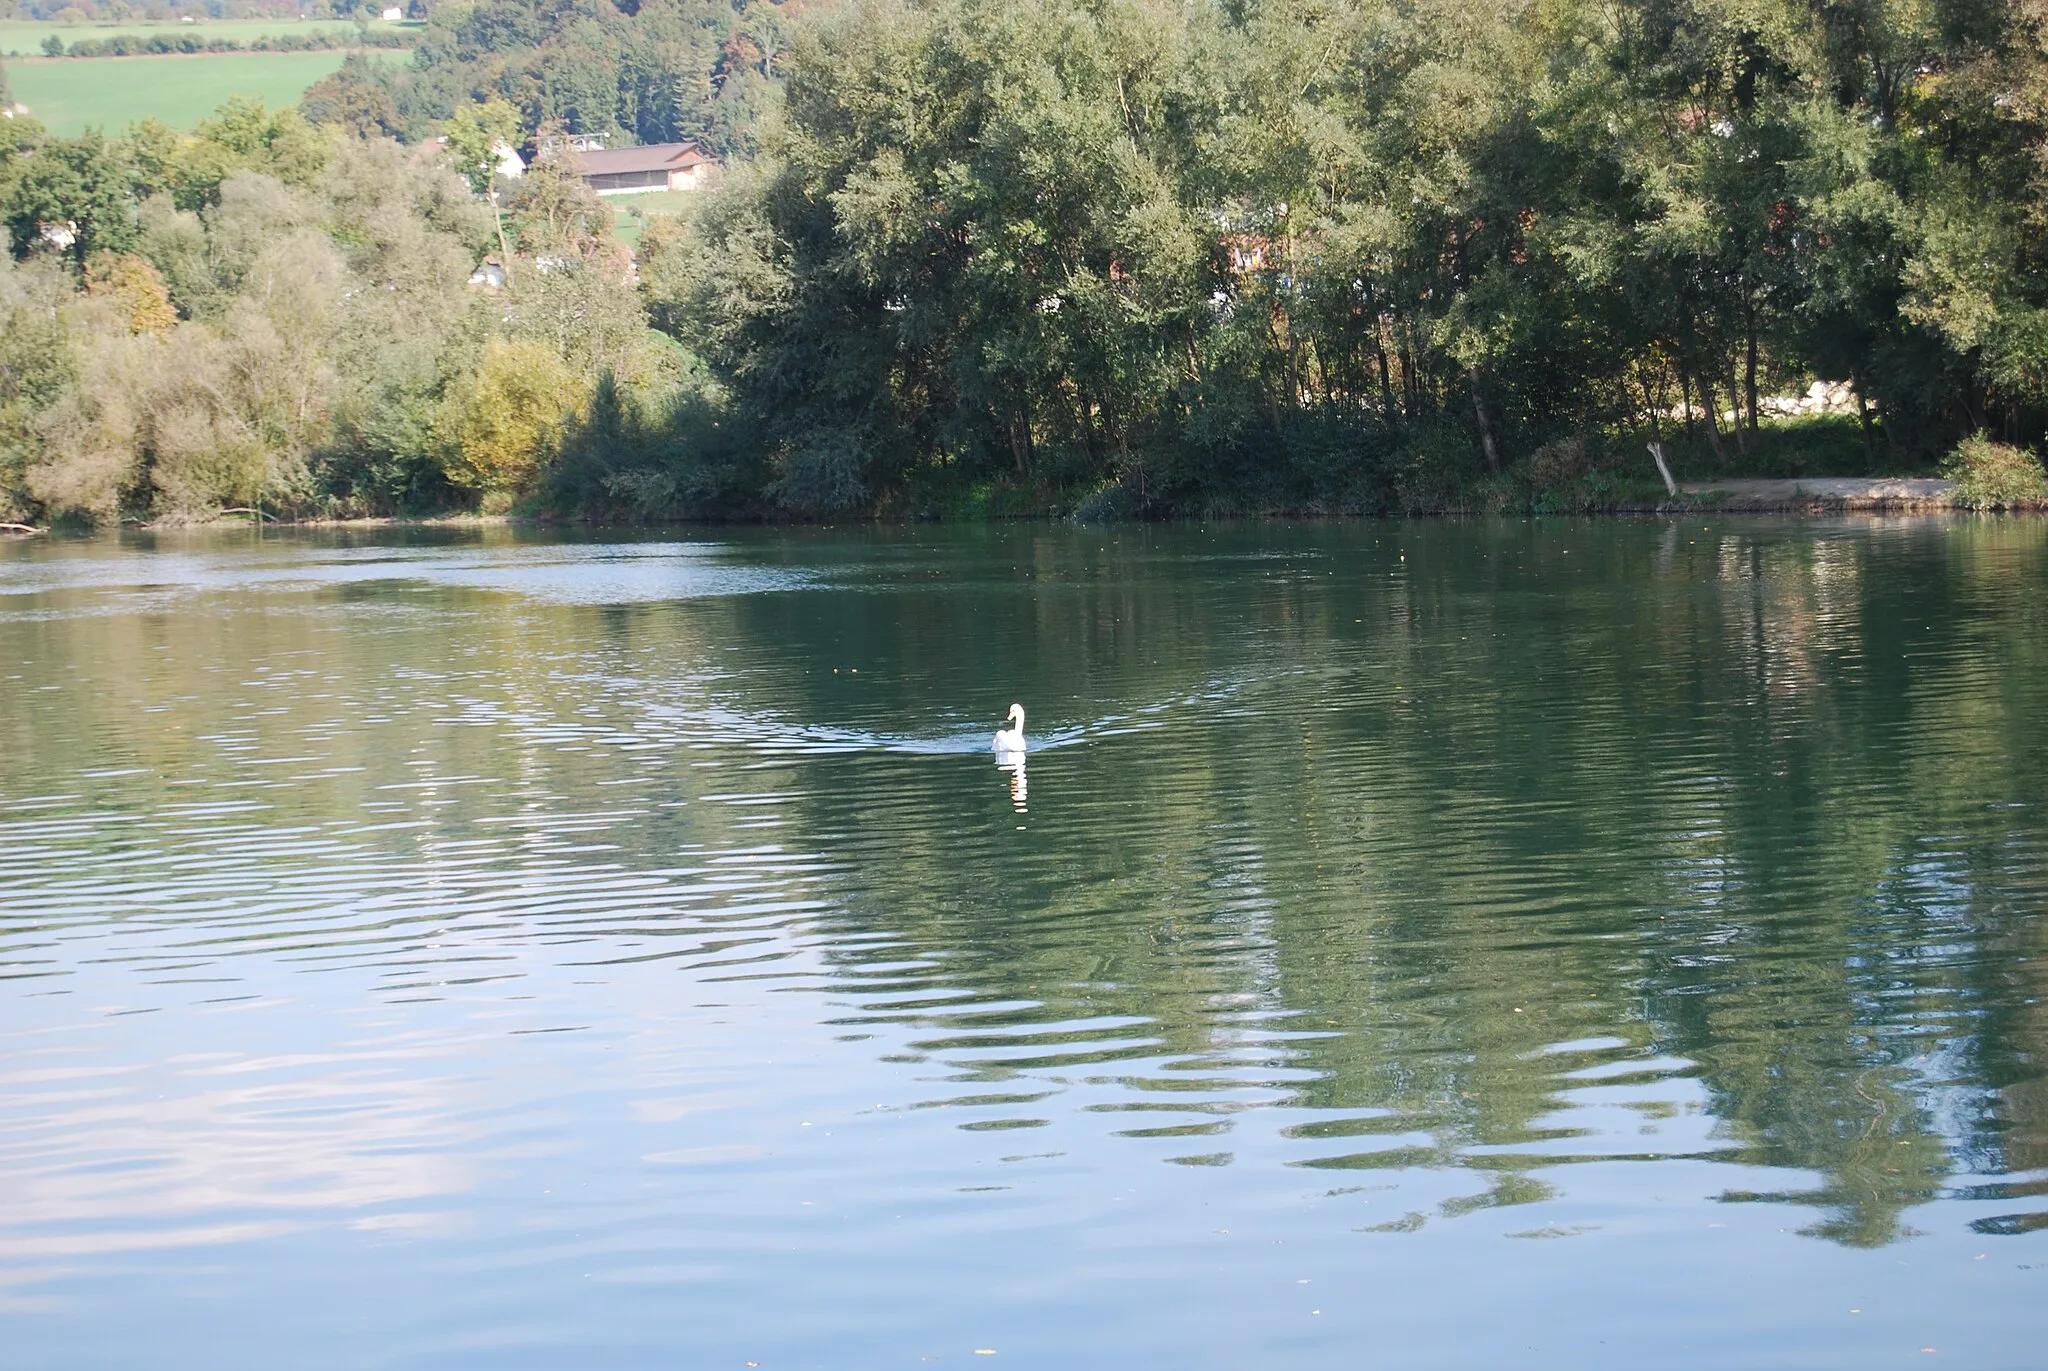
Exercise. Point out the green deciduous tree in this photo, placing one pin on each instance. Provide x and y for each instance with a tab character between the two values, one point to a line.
1355	253
69	195
476	132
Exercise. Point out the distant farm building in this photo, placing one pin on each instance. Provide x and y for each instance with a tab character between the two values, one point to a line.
630	171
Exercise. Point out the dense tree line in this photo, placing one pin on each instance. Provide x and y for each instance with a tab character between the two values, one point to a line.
188	41
647	72
1358	254
276	318
161	11
1118	257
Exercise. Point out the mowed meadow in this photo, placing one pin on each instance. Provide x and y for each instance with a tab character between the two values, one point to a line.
72	94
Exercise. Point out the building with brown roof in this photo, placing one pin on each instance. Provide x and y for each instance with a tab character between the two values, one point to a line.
657	166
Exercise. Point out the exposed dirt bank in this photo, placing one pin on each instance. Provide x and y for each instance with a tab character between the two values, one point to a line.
1822	494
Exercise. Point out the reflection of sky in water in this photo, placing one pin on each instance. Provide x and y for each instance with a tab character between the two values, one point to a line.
623	573
393	981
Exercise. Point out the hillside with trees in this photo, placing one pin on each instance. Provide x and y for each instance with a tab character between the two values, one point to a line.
1125	258
652	72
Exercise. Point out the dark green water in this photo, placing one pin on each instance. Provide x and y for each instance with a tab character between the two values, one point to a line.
1594	945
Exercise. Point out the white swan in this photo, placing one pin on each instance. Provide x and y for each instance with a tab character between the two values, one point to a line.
1010	741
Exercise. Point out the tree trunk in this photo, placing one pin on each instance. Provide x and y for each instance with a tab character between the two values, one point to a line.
1657	455
1088	430
1713	421
1973	408
1735	409
1749	361
1379	349
1863	418
1485	428
1649	399
504	252
1411	367
1120	438
1020	441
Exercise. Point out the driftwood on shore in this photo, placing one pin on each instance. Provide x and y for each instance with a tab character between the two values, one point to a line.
1657	455
25	530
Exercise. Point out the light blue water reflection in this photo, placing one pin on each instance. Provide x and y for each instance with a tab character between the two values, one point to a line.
1443	945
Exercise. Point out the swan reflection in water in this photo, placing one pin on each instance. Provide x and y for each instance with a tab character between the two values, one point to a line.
1019	788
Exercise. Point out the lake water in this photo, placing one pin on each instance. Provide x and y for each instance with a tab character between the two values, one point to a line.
1613	944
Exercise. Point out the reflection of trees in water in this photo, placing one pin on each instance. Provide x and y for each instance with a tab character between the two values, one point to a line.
1427	800
1719	790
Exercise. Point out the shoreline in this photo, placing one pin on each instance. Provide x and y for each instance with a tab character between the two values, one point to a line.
1819	495
1797	497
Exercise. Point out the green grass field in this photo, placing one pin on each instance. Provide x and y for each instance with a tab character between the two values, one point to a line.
628	225
109	93
24	37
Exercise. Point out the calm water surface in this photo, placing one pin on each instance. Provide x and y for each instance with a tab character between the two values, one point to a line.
1593	945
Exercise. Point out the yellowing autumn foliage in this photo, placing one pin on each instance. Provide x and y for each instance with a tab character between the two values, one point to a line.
135	288
501	422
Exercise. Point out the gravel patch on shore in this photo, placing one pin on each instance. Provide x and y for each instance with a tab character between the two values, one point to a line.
1823	494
